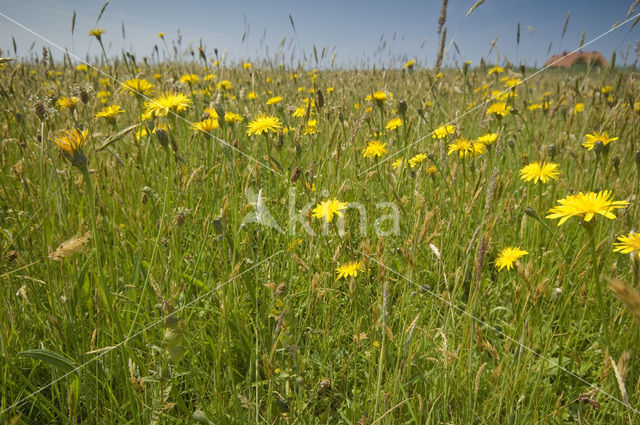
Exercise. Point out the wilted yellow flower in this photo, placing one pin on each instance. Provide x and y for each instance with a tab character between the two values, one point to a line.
349	269
393	123
628	244
539	171
167	102
263	124
596	137
374	149
585	206
327	209
508	256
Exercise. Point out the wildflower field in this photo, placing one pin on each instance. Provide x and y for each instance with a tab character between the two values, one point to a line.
195	241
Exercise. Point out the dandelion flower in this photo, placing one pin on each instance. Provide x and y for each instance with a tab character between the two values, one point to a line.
275	100
394	123
409	64
67	102
327	209
206	125
71	143
189	79
311	127
97	33
349	269
627	244
263	124
508	256
539	172
139	87
579	107
585	206
252	95
496	70
232	117
499	108
374	149
247	65
487	139
443	131
596	137
417	159
466	148
397	163
168	102
110	112
225	85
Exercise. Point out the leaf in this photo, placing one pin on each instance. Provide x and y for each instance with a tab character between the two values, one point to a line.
116	136
52	358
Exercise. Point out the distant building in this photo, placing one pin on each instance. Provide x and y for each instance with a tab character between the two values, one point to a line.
566	60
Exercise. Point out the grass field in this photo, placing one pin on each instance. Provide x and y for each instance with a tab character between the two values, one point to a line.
182	259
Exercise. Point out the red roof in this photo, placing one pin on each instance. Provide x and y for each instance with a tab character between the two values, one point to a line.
566	60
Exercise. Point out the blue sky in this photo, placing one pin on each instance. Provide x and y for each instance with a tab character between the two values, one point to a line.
362	33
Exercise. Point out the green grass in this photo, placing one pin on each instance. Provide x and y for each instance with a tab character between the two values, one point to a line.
284	341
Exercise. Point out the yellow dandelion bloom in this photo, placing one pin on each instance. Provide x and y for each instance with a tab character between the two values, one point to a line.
628	244
232	117
487	139
393	123
349	269
443	131
206	125
247	65
496	70
466	148
263	124
274	100
168	102
579	107
374	149
596	137
189	79
534	106
409	64
225	85
585	206
539	171
299	112
311	127
327	209
71	143
397	163
508	256
67	102
139	87
110	112
499	108
97	33
252	95
417	159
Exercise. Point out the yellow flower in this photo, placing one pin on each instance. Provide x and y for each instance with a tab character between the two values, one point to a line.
534	106
606	89
247	65
585	206
299	112
206	125
443	131
374	149
311	127
189	79
327	209
139	87
97	33
487	139
263	124
232	117
275	100
110	112
393	124
432	170
496	70
82	68
539	172
349	269
378	97
71	143
225	85
417	159
397	163
167	102
409	64
252	95
627	244
499	108
466	148
578	108
592	139
67	102
160	35
508	256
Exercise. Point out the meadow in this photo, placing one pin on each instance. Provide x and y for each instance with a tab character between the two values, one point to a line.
196	241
